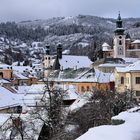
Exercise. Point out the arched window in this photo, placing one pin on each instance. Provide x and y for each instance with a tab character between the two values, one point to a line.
120	42
82	89
122	80
88	89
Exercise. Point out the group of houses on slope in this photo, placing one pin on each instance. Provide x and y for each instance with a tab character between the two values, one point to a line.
21	87
117	70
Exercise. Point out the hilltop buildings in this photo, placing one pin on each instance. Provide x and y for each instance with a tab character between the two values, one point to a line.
127	51
123	45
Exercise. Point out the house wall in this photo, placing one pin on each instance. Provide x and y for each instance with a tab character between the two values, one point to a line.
120	87
134	85
83	86
21	82
7	74
129	82
32	81
133	53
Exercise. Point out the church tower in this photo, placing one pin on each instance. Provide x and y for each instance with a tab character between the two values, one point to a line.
47	62
119	39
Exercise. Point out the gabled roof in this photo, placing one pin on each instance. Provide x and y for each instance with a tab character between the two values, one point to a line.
5	66
71	61
7	98
3	81
20	76
136	42
106	47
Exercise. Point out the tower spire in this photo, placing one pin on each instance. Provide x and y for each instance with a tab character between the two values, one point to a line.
119	27
119	39
119	16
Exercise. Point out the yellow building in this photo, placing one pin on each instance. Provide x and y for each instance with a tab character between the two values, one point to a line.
128	78
84	79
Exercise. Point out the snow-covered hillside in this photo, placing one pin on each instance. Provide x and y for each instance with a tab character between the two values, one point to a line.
129	130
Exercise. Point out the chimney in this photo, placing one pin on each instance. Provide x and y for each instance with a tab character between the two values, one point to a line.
59	51
47	50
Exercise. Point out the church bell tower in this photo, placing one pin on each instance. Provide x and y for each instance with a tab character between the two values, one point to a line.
119	39
47	62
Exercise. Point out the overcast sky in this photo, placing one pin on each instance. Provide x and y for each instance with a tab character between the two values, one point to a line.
18	10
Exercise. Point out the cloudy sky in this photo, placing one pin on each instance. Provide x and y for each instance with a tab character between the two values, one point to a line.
18	10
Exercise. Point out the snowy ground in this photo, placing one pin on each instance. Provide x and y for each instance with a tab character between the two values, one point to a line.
130	130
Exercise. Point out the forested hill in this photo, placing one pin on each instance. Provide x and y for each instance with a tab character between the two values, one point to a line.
78	34
83	24
12	31
95	26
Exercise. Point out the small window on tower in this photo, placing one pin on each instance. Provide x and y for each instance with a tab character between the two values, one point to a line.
120	37
120	42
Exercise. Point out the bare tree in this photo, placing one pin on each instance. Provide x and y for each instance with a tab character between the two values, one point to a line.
99	111
44	120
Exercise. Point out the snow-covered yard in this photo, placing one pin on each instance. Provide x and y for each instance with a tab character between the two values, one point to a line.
130	130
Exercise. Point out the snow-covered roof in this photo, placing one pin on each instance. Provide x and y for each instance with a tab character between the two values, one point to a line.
132	67
71	61
80	101
133	50
4	66
136	42
106	47
3	81
21	68
129	130
66	52
87	76
33	89
20	76
4	118
70	93
111	65
130	60
104	77
7	98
